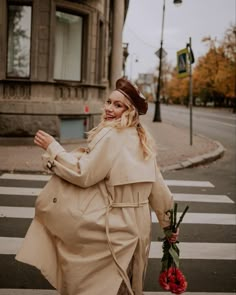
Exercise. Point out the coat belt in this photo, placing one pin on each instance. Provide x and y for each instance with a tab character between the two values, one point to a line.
111	205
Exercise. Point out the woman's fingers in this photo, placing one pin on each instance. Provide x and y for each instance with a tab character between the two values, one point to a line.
43	139
174	236
43	133
38	140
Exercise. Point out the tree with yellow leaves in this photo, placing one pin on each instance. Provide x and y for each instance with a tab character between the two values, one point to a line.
214	75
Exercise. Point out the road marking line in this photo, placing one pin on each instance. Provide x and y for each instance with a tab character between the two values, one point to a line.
25	191
205	218
202	198
47	177
25	176
54	292
190	218
185	293
191	183
10	246
205	115
210	251
220	122
21	191
28	292
16	212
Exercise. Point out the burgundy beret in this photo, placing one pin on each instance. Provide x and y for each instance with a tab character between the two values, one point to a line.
133	94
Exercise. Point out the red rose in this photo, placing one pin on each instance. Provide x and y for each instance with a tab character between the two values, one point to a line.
163	280
173	280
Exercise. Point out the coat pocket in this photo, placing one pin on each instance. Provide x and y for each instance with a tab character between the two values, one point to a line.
61	206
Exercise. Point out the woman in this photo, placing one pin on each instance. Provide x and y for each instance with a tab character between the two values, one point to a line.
91	231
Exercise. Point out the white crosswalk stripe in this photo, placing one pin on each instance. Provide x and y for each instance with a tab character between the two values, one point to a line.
25	191
189	183
188	250
21	191
193	218
47	177
27	292
202	198
186	293
53	292
203	251
206	218
31	177
214	251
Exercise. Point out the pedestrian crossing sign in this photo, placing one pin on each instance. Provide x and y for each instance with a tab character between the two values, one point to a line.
182	63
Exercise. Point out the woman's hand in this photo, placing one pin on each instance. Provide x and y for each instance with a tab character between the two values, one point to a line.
170	235
43	139
174	236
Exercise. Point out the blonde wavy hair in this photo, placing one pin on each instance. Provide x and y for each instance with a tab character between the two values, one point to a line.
129	118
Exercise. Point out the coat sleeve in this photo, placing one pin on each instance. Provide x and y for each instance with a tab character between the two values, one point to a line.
161	200
89	169
56	151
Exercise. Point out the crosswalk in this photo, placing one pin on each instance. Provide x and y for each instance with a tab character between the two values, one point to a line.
208	250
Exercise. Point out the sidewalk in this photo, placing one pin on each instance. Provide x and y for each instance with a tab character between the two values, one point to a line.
174	149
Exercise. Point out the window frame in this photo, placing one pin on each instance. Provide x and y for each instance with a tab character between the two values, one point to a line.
84	17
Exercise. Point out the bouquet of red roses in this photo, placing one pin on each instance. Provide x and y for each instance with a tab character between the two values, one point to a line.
171	278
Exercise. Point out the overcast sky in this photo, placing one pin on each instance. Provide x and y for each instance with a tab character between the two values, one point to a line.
194	18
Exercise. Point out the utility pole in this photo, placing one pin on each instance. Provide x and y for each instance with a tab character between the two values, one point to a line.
189	45
157	114
234	101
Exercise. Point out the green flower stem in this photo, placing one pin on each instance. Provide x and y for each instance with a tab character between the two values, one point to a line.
182	216
171	218
174	217
170	250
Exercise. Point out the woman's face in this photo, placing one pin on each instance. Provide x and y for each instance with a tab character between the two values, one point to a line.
115	106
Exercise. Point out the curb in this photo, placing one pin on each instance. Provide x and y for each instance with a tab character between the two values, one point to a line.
198	160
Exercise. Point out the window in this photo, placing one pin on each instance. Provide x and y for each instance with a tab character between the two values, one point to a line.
68	46
19	38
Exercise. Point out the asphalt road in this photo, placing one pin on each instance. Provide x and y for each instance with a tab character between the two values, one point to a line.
207	234
218	124
207	243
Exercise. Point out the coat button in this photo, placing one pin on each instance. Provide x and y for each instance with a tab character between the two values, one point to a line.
50	165
54	200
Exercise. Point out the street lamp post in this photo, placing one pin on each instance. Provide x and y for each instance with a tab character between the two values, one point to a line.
234	101
157	114
133	59
125	55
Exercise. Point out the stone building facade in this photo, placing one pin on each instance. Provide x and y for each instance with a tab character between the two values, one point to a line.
58	61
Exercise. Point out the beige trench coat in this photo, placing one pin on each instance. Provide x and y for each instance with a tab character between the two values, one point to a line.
93	217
